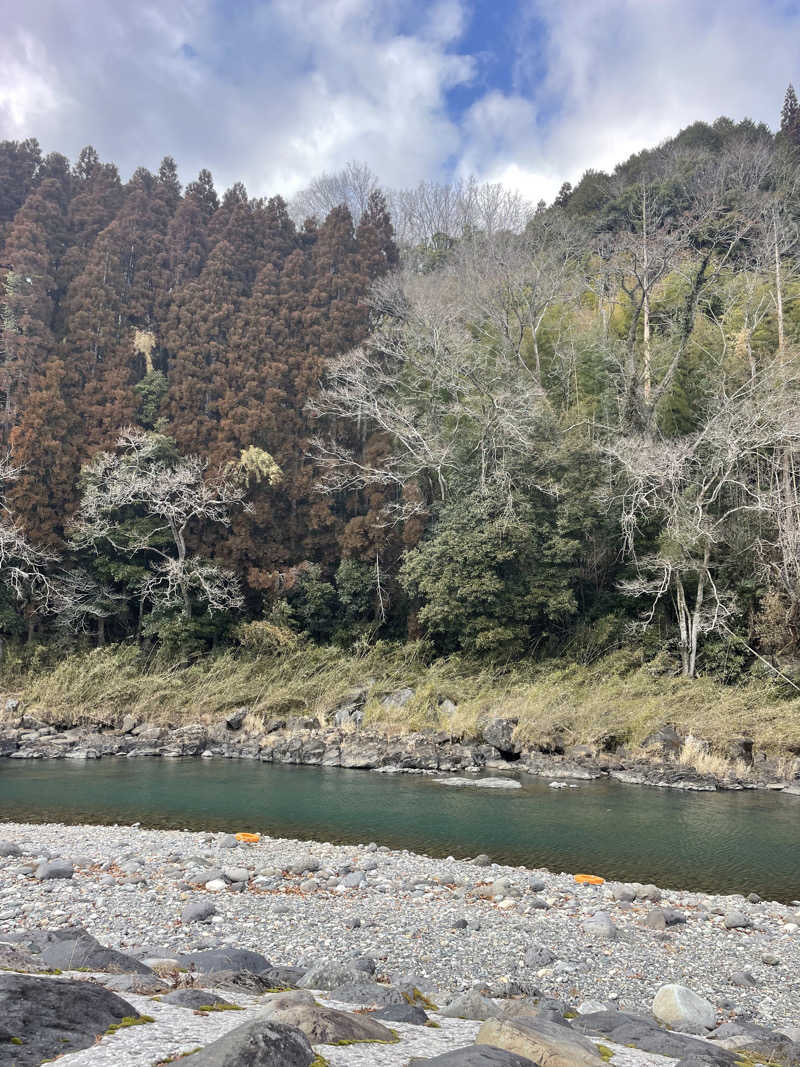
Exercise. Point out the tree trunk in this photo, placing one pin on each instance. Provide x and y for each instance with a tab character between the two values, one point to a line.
778	293
101	632
646	368
682	611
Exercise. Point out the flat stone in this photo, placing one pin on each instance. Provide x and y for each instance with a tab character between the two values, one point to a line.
54	869
260	1043
546	1043
327	1026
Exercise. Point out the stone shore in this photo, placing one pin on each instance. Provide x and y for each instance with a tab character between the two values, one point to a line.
389	957
343	741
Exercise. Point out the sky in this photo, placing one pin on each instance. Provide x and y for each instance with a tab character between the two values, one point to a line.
274	92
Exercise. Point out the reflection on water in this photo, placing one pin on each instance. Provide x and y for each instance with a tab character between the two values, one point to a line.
723	842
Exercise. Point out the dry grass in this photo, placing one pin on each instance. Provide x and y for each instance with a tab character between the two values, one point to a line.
697	755
614	698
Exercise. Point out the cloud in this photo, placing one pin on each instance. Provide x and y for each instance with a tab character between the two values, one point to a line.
276	91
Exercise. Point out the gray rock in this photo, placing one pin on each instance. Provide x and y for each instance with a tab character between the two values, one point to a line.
194	999
236	874
600	925
198	911
636	1031
367	992
655	919
260	1043
540	1040
666	739
743	978
225	959
54	869
331	975
479	1056
53	1016
539	956
145	985
86	951
307	864
470	1005
236	718
736	920
402	1013
8	848
499	733
682	1009
327	1026
482	860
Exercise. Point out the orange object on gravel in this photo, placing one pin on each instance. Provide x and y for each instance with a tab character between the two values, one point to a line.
589	879
251	838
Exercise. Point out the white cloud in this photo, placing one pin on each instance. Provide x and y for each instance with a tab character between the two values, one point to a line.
276	91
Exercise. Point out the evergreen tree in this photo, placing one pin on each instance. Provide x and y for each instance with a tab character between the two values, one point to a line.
790	118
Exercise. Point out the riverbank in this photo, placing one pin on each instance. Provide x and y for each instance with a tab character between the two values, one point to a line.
349	737
614	702
513	938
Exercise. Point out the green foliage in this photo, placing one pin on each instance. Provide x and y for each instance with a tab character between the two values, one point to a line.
151	391
489	582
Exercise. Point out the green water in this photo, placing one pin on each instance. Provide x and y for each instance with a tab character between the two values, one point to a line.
719	842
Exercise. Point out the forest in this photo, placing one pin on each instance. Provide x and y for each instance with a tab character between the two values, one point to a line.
437	417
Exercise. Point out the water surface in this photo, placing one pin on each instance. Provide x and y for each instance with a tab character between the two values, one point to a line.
719	842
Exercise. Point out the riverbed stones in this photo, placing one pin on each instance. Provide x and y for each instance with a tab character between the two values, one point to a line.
198	911
736	920
681	1008
260	1043
44	1017
56	868
546	1043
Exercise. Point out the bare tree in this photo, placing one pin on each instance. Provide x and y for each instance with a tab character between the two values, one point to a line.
350	186
140	500
707	493
456	209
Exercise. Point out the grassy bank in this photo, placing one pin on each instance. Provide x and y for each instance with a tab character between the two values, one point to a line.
616	696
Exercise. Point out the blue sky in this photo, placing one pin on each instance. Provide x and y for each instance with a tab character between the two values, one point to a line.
528	92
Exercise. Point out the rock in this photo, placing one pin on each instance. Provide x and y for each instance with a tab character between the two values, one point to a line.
680	1008
225	959
144	985
499	733
53	1016
54	869
86	951
198	911
8	848
236	874
235	720
327	1026
307	864
482	860
194	999
648	892
743	978
538	956
666	739
331	975
260	1043
216	885
635	1031
546	1043
655	919
397	700
470	1005
402	1013
367	992
479	1056
600	925
129	724
736	920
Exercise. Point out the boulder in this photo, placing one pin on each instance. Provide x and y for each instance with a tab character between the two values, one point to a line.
327	1026
666	739
402	1013
194	999
636	1031
470	1005
546	1043
8	848
736	920
331	975
305	865
236	718
367	992
53	1016
86	951
479	1056
682	1009
499	733
260	1043
225	959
